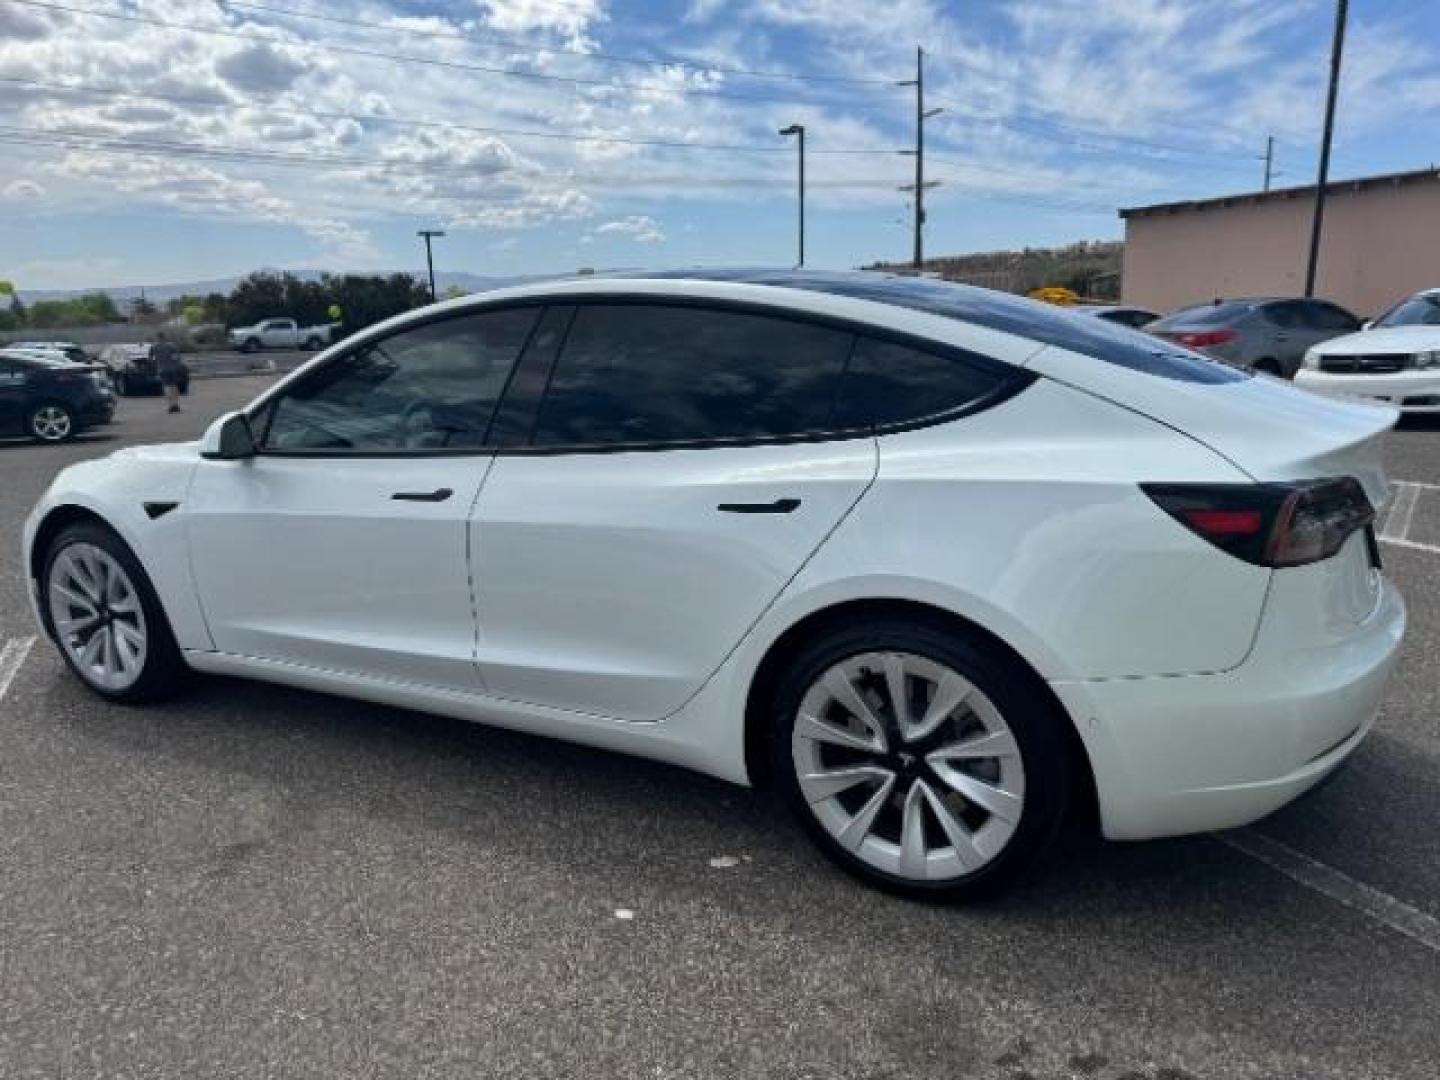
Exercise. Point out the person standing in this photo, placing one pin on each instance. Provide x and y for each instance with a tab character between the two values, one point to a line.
171	370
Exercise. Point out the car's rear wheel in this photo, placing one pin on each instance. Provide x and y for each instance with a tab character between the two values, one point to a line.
250	345
920	760
122	385
104	615
51	422
312	344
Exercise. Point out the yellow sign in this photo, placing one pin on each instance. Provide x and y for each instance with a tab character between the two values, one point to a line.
334	312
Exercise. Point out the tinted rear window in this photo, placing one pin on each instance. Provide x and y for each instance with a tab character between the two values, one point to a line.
1031	319
646	374
888	383
1207	315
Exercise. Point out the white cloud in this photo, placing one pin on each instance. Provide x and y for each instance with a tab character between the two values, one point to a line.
22	189
641	228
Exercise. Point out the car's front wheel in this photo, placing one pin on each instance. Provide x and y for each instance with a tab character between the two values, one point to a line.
51	422
103	613
921	760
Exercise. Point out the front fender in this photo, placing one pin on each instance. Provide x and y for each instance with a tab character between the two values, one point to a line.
116	490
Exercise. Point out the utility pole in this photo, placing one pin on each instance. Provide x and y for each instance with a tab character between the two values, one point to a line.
1269	159
920	185
430	234
799	130
1337	48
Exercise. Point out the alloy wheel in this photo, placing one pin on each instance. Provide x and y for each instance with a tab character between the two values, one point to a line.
908	766
98	619
51	423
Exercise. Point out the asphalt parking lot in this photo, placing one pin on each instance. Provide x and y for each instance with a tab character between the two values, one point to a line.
255	881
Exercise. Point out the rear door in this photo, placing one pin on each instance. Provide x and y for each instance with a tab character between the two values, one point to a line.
680	468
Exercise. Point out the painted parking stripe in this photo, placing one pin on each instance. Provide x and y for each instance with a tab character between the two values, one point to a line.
1402	512
1342	888
12	655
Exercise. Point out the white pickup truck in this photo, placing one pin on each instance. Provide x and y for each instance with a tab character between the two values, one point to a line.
280	334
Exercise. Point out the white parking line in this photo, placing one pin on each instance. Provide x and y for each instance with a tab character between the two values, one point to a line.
1342	888
12	655
1401	516
1394	528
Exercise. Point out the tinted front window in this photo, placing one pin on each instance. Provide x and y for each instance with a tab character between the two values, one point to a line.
645	374
888	383
1417	311
1329	317
431	388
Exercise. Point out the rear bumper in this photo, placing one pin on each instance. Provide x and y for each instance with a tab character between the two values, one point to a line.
1409	391
1187	754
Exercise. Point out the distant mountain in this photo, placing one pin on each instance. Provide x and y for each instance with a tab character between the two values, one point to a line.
161	294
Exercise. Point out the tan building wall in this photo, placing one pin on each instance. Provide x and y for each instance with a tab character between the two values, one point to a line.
1381	242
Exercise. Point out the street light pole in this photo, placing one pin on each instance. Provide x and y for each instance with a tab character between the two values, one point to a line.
798	130
1337	48
430	234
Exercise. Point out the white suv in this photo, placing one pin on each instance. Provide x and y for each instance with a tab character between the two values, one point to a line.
936	561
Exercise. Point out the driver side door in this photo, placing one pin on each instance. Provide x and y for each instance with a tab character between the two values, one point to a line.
342	545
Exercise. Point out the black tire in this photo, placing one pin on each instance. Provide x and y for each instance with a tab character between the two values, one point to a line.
312	344
1040	729
164	670
122	385
1269	366
250	345
51	422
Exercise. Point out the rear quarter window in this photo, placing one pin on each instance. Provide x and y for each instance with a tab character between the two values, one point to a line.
888	383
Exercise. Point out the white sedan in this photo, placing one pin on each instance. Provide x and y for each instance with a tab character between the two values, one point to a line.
940	563
1394	360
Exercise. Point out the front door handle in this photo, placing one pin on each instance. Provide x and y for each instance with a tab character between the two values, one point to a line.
438	495
779	506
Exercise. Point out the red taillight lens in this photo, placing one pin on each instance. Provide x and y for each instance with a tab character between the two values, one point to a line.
1200	339
1283	524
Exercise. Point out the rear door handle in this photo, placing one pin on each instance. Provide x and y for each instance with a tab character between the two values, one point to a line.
779	506
438	495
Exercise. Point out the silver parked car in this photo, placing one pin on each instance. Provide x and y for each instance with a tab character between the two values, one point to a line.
1268	334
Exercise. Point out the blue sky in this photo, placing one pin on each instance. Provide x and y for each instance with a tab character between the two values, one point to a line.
192	139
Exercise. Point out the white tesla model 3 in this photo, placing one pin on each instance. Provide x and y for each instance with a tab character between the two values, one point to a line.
938	562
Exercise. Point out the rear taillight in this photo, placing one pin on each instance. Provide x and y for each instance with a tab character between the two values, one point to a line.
1201	339
1280	524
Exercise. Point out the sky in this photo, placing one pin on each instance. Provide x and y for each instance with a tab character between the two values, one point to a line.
173	140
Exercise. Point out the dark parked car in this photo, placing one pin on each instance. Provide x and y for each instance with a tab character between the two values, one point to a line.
51	401
1268	334
132	369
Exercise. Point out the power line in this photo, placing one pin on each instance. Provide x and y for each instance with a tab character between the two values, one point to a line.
70	139
608	57
432	61
443	125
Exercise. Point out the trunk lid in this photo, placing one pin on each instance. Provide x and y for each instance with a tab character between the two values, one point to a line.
1267	428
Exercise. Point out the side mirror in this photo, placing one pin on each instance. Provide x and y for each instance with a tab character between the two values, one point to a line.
228	439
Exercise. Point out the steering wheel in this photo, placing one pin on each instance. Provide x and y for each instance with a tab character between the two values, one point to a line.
417	428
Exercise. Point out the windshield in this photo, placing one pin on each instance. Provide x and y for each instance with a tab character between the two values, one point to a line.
1422	310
